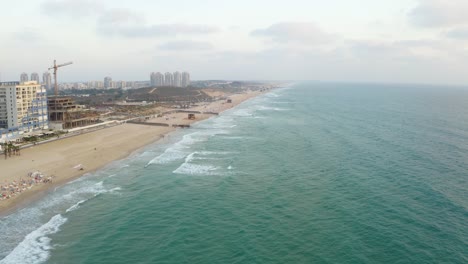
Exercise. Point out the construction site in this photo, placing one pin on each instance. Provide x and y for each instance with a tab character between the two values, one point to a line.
64	113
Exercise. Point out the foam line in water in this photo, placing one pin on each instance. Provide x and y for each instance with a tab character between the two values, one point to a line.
115	189
268	108
35	248
195	169
75	206
175	152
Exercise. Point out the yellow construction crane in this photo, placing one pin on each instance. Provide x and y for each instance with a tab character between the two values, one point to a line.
55	67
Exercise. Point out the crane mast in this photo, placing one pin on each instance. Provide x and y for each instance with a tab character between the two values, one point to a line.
55	67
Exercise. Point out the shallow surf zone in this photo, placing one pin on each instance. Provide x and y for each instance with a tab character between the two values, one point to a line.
200	163
26	234
202	151
199	133
36	245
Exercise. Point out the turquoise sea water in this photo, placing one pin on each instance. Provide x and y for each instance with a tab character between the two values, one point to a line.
313	173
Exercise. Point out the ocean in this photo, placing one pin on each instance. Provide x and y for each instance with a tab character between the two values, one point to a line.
310	173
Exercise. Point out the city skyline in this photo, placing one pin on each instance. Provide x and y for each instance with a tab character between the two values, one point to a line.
422	41
176	79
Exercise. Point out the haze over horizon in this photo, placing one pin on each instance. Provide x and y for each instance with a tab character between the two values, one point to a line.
405	41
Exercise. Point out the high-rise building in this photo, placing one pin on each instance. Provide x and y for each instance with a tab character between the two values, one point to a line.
185	79
153	79
47	80
24	77
35	77
177	79
107	82
159	78
168	79
23	106
121	84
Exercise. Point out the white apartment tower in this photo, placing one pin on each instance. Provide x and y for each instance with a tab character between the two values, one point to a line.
153	79
185	79
47	80
35	77
168	79
177	79
24	77
159	79
107	82
23	106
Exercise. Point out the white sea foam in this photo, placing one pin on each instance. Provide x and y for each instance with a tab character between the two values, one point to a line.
36	245
189	168
95	189
245	112
75	206
234	137
180	149
176	151
274	95
280	102
115	189
27	222
207	153
195	169
268	108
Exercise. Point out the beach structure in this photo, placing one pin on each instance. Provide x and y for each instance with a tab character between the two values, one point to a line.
23	108
64	113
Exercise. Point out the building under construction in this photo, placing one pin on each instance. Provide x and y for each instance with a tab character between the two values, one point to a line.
64	113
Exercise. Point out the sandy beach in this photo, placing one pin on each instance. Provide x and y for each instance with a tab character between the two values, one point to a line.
69	158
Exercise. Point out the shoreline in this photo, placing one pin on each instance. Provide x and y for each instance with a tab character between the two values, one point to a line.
62	159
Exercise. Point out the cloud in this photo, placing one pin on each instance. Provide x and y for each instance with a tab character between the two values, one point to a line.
460	33
186	45
29	35
125	23
71	8
291	32
439	13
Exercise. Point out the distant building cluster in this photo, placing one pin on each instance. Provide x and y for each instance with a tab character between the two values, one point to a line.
108	83
175	79
46	79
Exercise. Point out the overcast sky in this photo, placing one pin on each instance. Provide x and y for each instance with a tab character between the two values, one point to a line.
406	41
